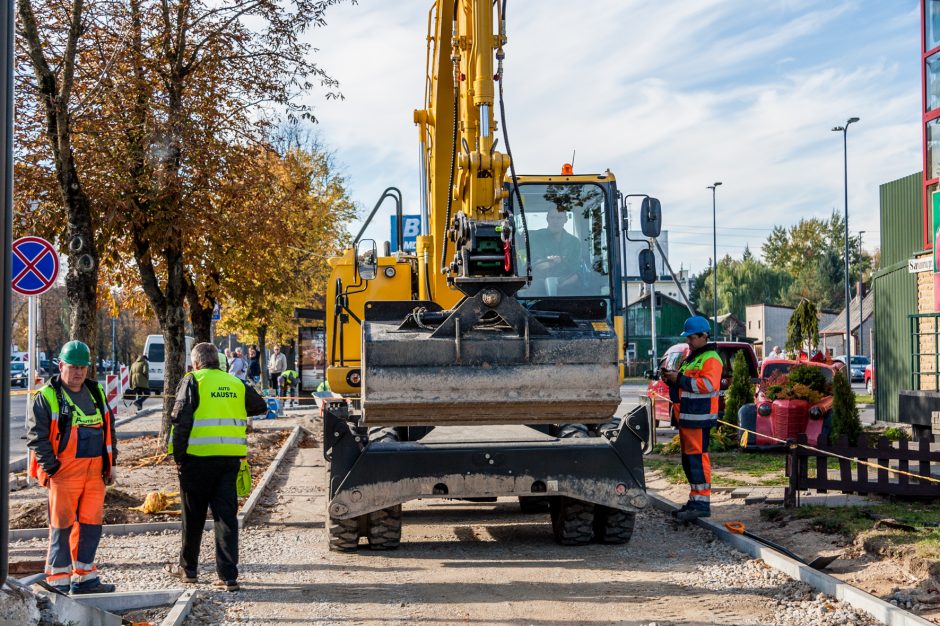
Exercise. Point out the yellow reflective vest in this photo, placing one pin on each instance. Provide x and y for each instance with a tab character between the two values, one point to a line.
220	420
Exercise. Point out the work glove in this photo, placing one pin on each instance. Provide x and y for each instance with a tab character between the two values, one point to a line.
110	477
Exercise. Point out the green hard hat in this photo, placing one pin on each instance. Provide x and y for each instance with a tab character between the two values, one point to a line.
75	353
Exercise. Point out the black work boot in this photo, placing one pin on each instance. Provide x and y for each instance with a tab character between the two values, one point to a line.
691	514
92	586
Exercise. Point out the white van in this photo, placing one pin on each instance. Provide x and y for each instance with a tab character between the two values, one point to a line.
154	351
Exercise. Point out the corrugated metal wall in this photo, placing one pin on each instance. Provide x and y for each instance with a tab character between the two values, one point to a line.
896	291
902	232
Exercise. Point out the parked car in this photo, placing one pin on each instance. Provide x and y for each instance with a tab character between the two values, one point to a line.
658	392
859	363
870	377
776	419
48	368
18	374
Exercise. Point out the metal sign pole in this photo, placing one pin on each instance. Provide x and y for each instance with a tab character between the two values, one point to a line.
31	345
6	231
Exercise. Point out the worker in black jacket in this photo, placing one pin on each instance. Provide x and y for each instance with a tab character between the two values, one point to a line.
208	441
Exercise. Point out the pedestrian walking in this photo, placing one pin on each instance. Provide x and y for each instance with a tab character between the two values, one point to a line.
254	365
208	441
288	381
694	390
237	366
224	359
140	380
276	365
72	453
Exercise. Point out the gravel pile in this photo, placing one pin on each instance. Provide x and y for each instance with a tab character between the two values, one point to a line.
791	602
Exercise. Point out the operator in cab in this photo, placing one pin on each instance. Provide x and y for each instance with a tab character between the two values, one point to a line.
556	255
694	390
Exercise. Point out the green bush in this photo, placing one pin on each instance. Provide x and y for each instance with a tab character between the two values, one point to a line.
739	393
810	376
896	434
845	419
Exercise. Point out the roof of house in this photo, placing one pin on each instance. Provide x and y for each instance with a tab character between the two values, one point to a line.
837	325
662	296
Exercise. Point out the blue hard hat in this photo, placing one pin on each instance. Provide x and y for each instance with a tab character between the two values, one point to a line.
696	324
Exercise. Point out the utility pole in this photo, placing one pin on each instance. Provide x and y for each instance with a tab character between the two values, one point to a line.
861	320
848	298
713	187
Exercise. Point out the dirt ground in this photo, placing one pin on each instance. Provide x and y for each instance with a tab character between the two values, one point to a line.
141	469
862	563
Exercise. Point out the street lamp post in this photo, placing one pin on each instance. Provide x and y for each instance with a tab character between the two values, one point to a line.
848	300
861	320
714	257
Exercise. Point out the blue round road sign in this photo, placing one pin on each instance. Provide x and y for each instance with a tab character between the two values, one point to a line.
35	266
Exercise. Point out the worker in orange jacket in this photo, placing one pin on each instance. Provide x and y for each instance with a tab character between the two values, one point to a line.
695	389
71	440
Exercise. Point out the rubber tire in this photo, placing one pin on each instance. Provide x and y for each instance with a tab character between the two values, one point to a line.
534	504
384	528
613	526
572	521
344	534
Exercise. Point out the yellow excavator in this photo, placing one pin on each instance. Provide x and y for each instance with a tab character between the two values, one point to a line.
488	362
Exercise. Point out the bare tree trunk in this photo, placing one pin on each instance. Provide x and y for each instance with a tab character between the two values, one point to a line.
199	315
263	355
54	91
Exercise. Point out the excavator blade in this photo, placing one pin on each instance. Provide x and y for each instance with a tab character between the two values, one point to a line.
488	376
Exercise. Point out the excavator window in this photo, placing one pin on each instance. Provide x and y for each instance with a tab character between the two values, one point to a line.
567	239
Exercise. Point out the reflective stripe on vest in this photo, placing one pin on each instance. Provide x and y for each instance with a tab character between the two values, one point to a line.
48	392
212	435
692	410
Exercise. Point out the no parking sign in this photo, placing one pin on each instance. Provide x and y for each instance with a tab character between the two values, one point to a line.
35	266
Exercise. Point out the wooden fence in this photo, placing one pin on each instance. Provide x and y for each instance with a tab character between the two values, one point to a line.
916	458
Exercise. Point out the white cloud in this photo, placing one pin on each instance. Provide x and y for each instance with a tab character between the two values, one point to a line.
670	95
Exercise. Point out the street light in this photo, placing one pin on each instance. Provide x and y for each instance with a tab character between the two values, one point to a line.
848	300
861	320
714	257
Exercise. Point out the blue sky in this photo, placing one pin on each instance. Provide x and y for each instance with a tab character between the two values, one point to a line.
671	95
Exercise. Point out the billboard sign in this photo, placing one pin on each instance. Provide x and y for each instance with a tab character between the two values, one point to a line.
410	231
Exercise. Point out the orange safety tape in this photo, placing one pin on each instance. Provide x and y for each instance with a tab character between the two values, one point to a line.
834	454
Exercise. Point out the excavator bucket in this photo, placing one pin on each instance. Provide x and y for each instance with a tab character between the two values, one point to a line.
562	371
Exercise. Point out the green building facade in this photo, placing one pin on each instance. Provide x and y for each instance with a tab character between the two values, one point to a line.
895	289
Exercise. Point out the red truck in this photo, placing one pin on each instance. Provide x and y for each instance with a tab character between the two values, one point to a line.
775	419
658	392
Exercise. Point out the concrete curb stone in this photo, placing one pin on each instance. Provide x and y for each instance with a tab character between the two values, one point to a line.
876	607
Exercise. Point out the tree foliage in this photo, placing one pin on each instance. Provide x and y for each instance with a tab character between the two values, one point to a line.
171	102
741	391
740	283
845	420
803	328
300	202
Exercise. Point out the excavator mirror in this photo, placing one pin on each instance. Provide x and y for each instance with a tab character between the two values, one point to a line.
367	259
651	217
647	266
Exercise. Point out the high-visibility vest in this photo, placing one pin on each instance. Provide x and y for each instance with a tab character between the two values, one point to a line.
220	421
698	408
79	419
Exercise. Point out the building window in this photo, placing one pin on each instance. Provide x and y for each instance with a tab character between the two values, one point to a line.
749	324
932	26
933	81
758	324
